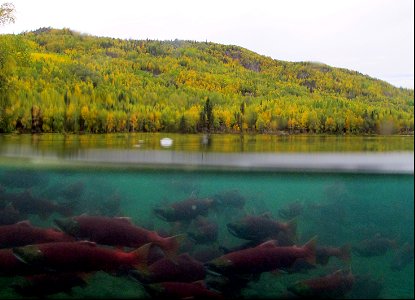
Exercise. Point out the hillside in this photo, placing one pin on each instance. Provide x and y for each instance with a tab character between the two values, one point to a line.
63	81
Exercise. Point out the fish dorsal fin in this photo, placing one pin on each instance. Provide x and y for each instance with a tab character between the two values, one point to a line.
249	212
28	192
126	220
10	208
87	243
24	223
200	218
199	283
84	276
186	257
341	273
268	244
338	272
266	215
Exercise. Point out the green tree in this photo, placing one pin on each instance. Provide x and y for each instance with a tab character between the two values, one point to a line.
206	117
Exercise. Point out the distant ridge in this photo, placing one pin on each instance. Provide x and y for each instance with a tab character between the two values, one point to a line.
58	80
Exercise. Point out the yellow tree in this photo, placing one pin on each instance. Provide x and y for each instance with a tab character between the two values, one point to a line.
330	125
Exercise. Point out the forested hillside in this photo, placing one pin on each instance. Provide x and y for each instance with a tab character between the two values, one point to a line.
63	81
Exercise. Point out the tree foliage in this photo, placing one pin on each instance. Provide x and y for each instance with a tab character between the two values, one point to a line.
6	13
62	81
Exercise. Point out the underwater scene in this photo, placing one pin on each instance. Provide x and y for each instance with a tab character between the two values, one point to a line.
119	230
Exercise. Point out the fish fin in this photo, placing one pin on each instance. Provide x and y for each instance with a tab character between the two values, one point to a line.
44	215
210	201
66	208
85	277
186	256
255	277
269	244
292	229
68	291
87	243
9	208
323	260
349	270
141	254
394	244
141	274
172	244
28	192
205	213
340	272
158	211
266	215
345	252
278	272
126	220
310	248
200	283
25	223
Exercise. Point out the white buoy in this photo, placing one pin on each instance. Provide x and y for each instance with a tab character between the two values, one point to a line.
166	142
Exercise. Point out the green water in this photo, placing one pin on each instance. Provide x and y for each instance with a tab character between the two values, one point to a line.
339	208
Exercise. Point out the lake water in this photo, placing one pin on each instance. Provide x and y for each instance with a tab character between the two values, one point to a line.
349	191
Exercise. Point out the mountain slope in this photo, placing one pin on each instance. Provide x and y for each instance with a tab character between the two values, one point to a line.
74	82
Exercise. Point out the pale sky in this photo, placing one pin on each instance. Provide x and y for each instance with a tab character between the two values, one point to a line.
373	37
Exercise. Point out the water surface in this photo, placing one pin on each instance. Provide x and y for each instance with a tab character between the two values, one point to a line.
346	197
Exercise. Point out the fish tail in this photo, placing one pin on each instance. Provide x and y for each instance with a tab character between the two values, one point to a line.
345	251
141	256
310	248
44	215
66	208
172	244
292	229
323	260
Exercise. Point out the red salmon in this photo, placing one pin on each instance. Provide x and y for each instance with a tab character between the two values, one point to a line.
203	231
12	266
184	269
375	246
334	285
261	228
81	256
27	203
23	233
185	210
323	254
263	258
115	232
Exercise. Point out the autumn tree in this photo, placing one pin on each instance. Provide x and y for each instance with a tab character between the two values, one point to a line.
64	81
9	56
6	13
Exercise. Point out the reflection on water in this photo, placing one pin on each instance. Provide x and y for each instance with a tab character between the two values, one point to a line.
315	153
64	145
